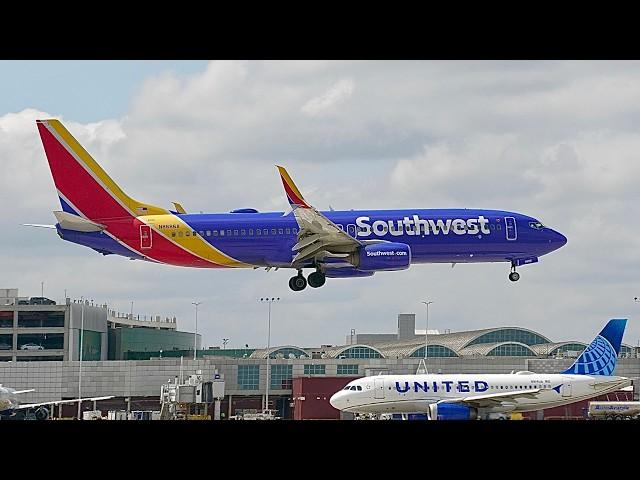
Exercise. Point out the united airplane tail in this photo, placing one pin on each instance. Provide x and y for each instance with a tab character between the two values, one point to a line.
83	186
600	357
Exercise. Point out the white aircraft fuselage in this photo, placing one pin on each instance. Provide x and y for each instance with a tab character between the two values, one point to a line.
526	391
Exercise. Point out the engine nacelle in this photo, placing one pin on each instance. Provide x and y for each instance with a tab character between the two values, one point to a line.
345	273
452	411
42	413
382	256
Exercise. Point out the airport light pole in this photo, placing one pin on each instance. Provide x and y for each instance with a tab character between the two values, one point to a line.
195	335
80	365
426	337
269	301
224	343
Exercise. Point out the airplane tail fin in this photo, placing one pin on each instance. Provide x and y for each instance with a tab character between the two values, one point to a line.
83	186
293	194
600	357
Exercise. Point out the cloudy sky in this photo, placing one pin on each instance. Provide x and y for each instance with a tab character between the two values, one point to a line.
555	140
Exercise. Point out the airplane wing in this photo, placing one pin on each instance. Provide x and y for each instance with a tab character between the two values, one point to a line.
15	392
491	399
58	402
319	237
38	225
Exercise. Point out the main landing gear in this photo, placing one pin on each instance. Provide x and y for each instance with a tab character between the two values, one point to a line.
316	280
514	276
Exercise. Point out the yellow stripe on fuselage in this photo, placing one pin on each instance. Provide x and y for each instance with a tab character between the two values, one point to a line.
133	205
166	224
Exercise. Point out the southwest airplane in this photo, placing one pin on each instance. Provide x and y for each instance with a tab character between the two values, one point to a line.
12	408
469	397
336	244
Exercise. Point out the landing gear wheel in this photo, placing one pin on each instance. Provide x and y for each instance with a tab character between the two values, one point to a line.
316	279
297	283
514	276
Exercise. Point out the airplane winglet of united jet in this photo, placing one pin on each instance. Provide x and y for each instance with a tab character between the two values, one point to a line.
98	214
469	397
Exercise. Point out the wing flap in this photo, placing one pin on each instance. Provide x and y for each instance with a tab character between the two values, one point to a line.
22	406
493	398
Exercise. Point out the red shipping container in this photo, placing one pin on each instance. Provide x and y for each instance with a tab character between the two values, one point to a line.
311	397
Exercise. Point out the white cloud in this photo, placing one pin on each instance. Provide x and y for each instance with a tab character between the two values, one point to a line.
327	102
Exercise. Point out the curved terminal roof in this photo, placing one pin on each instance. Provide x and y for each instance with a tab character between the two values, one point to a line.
500	341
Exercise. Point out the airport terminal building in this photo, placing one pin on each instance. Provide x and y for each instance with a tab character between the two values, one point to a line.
131	359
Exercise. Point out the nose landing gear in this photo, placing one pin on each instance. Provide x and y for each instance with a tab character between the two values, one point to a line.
514	276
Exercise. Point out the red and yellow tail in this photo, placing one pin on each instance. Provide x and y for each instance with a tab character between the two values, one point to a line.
83	186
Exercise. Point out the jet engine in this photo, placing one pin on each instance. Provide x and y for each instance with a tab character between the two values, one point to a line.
452	411
382	256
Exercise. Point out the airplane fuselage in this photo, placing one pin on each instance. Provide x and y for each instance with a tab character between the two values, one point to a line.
414	393
266	239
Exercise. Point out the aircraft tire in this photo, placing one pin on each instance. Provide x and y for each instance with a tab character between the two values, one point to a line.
297	283
316	279
514	276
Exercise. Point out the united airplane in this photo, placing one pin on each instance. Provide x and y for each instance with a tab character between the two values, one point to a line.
468	397
336	244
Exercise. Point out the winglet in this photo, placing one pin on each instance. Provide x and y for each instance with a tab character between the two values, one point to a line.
179	208
599	358
293	194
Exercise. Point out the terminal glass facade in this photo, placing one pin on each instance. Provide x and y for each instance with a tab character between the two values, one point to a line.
347	370
6	342
359	352
625	351
40	319
91	345
50	358
129	343
510	335
286	352
434	351
248	377
569	347
511	350
282	377
314	369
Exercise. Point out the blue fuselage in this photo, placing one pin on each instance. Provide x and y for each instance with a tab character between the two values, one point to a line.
433	235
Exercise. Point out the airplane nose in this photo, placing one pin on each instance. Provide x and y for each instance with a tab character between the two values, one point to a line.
334	400
557	239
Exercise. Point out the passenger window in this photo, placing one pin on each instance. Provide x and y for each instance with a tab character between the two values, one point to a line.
280	231
243	232
273	231
208	233
228	233
265	231
498	227
287	231
215	233
251	231
187	234
222	233
201	234
235	232
294	230
173	234
195	233
258	231
341	227
179	234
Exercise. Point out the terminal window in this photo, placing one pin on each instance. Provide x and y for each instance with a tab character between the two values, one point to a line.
347	369
6	319
281	377
314	369
248	377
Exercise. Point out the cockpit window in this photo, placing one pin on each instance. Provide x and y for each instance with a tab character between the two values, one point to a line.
348	387
536	225
359	388
353	388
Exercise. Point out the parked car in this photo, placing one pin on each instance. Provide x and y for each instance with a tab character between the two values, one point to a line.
5	346
31	346
41	301
23	302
